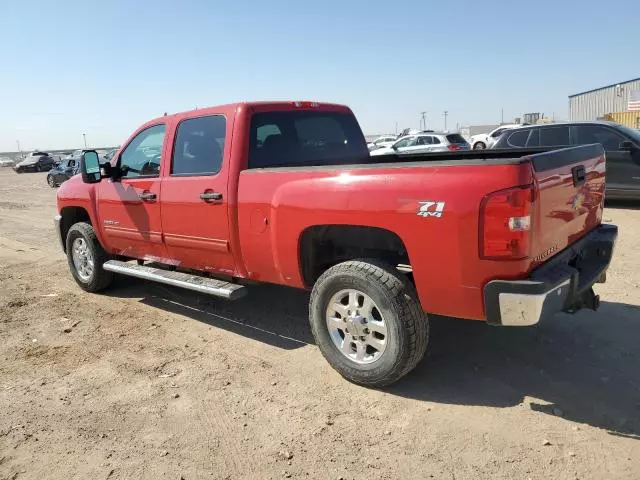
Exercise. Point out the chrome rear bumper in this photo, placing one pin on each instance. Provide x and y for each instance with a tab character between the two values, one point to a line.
562	284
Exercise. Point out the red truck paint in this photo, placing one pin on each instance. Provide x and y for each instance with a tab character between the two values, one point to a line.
254	232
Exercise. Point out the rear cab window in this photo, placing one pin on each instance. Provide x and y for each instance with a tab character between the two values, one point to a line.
305	138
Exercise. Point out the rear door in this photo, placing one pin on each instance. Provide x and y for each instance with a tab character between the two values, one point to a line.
424	144
569	197
194	196
129	208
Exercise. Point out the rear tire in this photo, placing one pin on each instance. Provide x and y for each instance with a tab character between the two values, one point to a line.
382	346
50	181
479	146
86	257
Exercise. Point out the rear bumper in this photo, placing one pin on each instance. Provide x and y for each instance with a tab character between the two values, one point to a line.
563	284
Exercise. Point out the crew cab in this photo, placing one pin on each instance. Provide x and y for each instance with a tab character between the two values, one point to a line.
287	193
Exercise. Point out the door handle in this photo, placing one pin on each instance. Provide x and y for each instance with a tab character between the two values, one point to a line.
210	196
148	196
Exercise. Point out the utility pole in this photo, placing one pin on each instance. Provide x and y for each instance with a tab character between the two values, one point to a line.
423	125
445	120
396	128
84	137
501	116
18	142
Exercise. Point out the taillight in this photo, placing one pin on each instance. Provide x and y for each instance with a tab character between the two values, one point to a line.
453	148
505	223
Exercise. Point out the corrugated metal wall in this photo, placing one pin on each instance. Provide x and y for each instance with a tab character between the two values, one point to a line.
594	105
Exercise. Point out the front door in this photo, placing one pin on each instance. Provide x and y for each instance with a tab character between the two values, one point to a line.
621	168
129	208
406	145
194	196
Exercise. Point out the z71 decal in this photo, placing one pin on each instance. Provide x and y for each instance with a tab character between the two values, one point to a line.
431	209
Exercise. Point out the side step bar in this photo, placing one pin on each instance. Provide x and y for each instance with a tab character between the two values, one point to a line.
210	286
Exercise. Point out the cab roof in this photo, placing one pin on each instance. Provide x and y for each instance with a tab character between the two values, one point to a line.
258	105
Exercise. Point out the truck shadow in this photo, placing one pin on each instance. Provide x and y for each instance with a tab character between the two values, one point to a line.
583	367
269	314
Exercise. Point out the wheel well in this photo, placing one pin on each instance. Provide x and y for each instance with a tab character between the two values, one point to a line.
323	246
71	216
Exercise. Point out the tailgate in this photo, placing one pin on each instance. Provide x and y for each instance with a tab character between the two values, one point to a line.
569	197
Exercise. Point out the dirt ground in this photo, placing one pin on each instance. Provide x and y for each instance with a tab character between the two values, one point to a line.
150	382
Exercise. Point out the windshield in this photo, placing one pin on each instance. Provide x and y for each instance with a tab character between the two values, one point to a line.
631	132
294	138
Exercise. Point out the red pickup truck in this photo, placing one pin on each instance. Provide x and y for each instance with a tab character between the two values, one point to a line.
287	193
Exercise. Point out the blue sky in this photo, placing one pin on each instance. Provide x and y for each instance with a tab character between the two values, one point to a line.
102	68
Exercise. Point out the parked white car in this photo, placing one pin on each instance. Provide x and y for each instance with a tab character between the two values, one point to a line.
6	162
383	141
425	143
486	140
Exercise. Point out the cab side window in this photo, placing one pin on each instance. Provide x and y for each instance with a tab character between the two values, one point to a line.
199	146
586	134
407	142
554	136
142	156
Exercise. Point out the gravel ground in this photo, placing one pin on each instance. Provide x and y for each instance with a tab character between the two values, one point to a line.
150	382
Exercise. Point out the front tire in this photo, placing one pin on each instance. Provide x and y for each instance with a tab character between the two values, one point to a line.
479	146
367	322
86	257
50	181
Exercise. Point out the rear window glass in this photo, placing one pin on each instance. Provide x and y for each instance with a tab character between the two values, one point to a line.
518	138
554	136
304	138
456	138
534	138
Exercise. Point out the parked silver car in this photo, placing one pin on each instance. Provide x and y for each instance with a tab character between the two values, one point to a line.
425	142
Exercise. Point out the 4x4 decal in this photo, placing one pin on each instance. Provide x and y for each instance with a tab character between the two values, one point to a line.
431	209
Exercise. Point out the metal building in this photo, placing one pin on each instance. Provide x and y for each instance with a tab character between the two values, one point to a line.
595	104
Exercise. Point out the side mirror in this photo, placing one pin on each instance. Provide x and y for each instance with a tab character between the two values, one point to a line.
394	147
627	146
90	167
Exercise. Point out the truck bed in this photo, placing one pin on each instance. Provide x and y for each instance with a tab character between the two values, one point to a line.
467	157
